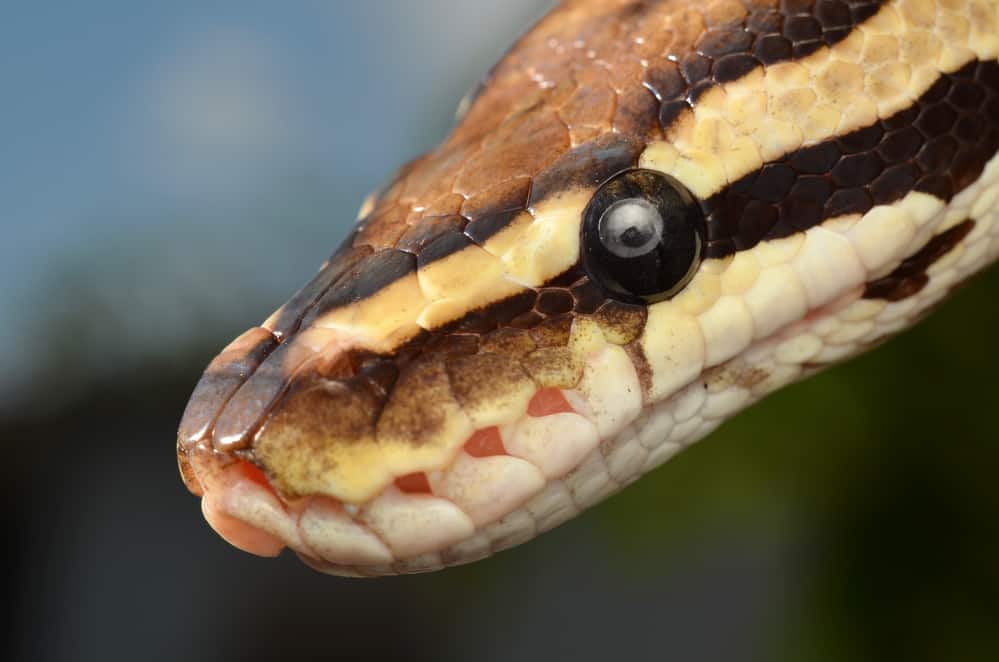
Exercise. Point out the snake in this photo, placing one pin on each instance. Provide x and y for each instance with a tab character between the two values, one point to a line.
648	216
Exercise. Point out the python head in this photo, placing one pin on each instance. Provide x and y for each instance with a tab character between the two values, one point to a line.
652	215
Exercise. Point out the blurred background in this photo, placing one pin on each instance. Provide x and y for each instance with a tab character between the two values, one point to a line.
171	172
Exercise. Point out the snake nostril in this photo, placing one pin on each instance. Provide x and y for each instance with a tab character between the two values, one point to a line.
380	373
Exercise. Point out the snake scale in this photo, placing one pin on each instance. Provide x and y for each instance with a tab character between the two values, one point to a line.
649	216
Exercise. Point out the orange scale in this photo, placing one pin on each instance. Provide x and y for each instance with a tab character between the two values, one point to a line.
414	483
549	401
485	442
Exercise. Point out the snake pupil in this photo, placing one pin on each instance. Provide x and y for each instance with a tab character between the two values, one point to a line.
634	236
641	236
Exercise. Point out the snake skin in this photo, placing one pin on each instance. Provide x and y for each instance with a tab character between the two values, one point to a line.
451	383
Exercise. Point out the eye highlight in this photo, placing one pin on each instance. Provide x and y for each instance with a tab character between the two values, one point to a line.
631	227
642	236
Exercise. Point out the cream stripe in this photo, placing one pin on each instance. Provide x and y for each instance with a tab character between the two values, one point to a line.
534	249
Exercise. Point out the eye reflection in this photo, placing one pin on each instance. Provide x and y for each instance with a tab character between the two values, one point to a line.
631	227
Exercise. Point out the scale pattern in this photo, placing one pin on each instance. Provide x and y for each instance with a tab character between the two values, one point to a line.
938	145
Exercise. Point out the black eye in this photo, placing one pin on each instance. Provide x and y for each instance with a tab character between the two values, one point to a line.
642	236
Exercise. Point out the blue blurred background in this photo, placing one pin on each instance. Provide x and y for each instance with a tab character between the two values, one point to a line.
171	172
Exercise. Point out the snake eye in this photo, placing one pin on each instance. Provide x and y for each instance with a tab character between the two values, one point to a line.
641	236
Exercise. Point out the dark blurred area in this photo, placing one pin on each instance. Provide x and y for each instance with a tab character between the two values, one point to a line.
175	172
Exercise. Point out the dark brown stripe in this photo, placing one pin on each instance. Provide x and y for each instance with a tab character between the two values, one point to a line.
421	235
939	145
585	166
446	244
481	229
289	316
910	276
363	279
788	30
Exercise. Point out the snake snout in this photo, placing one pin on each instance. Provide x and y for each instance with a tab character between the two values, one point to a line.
248	384
219	383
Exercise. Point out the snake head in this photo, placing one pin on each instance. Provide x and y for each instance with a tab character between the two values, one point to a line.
651	216
442	369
